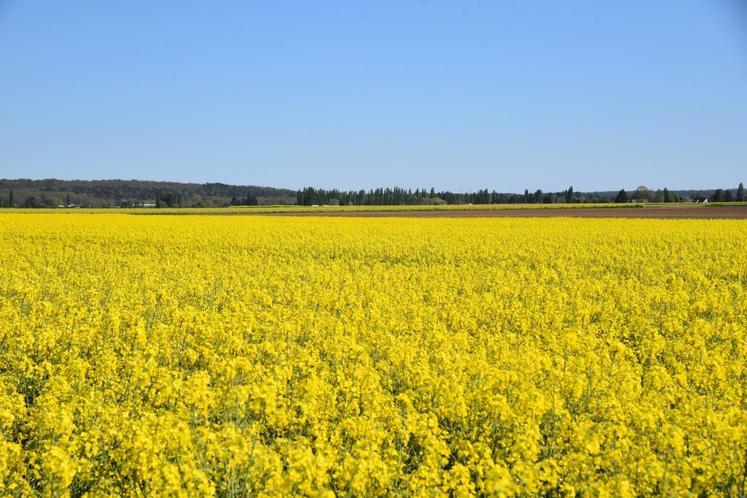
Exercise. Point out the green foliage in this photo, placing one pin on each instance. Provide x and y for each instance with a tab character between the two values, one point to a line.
726	195
569	194
108	193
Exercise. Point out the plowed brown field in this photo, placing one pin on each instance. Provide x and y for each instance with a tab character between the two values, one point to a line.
718	212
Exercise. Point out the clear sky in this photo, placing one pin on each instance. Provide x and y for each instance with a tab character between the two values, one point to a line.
455	94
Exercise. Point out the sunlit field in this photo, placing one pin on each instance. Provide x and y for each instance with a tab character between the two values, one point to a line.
276	356
287	208
669	210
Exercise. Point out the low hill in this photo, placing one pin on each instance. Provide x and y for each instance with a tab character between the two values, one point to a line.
139	193
129	193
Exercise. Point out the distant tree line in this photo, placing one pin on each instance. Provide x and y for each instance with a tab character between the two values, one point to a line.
400	196
310	196
135	193
249	200
642	194
721	195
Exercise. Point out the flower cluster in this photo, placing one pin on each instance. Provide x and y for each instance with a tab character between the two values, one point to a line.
243	356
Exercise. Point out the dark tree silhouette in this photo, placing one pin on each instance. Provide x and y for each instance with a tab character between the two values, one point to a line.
622	196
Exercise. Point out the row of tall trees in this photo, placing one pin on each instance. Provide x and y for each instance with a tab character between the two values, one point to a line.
721	195
642	194
381	196
399	196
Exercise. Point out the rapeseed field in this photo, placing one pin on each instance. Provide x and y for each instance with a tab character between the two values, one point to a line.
261	356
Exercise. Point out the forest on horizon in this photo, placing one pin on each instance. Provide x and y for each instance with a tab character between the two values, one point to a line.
52	193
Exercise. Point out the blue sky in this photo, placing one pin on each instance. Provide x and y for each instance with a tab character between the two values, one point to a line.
459	95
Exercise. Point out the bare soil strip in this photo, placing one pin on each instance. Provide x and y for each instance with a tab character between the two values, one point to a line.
725	212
